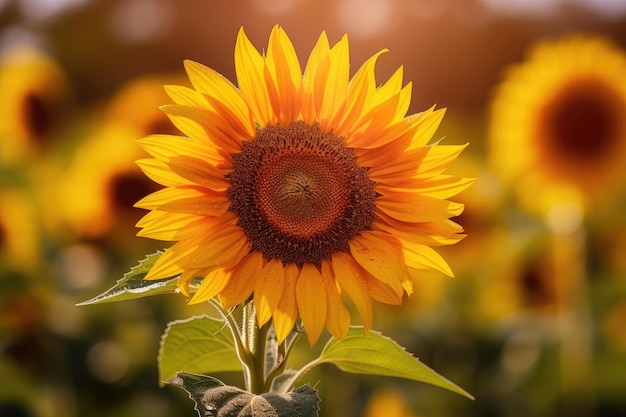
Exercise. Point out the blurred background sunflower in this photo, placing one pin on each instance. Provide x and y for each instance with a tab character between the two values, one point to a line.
563	110
532	323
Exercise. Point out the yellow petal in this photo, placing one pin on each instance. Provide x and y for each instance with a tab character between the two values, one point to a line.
427	128
208	203
439	158
223	245
250	67
374	252
390	102
373	133
390	88
318	55
396	148
434	233
331	83
404	102
204	125
164	196
167	265
162	225
211	285
383	292
284	69
199	172
165	147
187	96
223	96
351	279
159	172
360	90
337	315
189	120
242	280
404	165
445	186
268	290
311	298
441	186
186	200
382	119
286	312
186	277
414	208
424	257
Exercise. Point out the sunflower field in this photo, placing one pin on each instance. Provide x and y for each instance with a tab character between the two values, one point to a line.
377	208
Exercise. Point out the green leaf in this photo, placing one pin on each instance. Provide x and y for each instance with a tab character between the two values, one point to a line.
376	354
133	285
201	345
196	386
212	398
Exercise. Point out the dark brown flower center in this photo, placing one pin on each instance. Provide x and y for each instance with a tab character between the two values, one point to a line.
299	194
536	285
160	124
126	187
583	120
3	235
37	117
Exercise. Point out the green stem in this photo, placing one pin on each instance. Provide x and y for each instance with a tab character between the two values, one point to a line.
256	339
243	352
575	324
252	349
283	353
286	387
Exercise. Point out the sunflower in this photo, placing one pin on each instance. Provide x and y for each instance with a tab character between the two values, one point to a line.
102	181
35	94
298	188
19	244
558	120
530	285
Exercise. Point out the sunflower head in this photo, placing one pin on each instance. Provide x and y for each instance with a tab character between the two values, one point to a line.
559	118
299	188
35	96
309	196
101	182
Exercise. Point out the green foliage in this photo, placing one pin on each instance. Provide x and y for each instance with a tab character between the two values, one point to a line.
198	345
133	285
375	354
203	345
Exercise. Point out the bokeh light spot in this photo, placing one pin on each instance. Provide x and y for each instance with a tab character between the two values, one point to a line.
536	8
274	7
107	361
521	352
364	19
141	21
564	218
82	266
45	9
